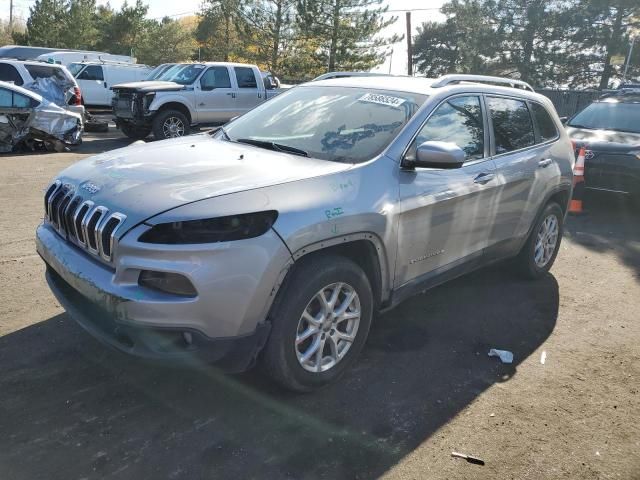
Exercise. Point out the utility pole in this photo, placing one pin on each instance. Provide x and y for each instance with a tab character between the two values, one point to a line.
409	49
10	16
626	66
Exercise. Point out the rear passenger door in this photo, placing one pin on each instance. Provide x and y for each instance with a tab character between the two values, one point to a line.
523	135
248	94
446	213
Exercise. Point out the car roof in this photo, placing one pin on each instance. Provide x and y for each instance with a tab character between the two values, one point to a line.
422	85
31	62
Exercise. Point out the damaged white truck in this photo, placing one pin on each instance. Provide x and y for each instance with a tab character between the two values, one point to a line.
188	95
28	119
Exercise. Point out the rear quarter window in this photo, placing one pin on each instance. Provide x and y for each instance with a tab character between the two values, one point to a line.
512	124
546	126
9	73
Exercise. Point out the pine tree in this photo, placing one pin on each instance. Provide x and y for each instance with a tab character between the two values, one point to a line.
348	30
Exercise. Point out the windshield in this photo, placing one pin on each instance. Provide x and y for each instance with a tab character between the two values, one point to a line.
182	74
331	123
160	70
75	68
609	115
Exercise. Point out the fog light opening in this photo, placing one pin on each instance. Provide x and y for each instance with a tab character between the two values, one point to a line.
167	282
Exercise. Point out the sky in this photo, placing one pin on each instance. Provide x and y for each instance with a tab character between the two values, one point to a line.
423	10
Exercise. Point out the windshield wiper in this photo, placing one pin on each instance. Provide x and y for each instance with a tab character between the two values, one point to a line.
278	147
575	125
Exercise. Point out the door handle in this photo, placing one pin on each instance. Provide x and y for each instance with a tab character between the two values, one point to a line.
484	178
233	95
105	84
201	104
545	163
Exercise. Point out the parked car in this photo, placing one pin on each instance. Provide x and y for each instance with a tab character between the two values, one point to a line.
23	52
65	57
610	130
277	237
27	73
27	118
187	95
160	70
96	79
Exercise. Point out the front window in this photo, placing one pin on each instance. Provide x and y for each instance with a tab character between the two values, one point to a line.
609	115
183	74
331	123
92	72
459	121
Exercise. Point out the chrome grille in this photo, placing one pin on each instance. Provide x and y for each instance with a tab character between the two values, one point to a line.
81	222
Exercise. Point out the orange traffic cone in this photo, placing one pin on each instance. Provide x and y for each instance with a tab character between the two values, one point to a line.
578	184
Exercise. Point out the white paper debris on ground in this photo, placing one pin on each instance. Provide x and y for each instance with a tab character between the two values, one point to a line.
504	355
543	357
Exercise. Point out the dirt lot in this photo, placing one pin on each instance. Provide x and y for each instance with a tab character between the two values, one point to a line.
424	386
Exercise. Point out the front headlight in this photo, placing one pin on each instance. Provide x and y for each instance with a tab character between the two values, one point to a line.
211	230
636	153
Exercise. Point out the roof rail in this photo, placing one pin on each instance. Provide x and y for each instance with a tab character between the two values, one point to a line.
509	82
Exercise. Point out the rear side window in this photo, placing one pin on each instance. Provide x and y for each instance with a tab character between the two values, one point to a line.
546	126
8	73
246	77
92	72
512	125
458	120
215	77
11	99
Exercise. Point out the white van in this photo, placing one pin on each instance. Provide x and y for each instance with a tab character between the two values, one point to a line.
97	78
68	57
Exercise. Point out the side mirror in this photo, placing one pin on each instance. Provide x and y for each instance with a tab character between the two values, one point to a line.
564	120
437	155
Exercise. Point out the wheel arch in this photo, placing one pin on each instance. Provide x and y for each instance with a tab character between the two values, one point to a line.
180	107
365	249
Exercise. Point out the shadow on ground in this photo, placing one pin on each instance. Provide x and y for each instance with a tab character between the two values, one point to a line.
70	408
611	223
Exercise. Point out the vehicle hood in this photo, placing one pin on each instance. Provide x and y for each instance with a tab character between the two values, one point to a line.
150	86
604	140
144	180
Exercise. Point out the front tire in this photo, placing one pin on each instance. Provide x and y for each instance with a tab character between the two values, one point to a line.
170	124
539	253
320	323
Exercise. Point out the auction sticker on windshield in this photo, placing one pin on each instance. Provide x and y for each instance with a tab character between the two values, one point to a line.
382	99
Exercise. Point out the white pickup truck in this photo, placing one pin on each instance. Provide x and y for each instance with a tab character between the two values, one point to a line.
190	94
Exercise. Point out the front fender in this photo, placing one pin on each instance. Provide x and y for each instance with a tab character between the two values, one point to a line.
188	101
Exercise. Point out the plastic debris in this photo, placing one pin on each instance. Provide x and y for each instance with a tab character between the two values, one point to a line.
468	458
543	357
504	355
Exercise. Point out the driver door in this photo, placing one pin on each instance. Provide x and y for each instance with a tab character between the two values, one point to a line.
215	96
446	214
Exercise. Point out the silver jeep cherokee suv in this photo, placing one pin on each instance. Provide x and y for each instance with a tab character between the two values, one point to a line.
278	237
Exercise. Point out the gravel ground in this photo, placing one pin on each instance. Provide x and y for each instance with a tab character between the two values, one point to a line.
424	386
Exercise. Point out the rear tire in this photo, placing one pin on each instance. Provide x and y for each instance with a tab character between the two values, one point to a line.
539	253
301	321
170	124
135	133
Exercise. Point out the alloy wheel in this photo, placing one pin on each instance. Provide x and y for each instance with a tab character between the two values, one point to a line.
173	127
328	327
546	241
